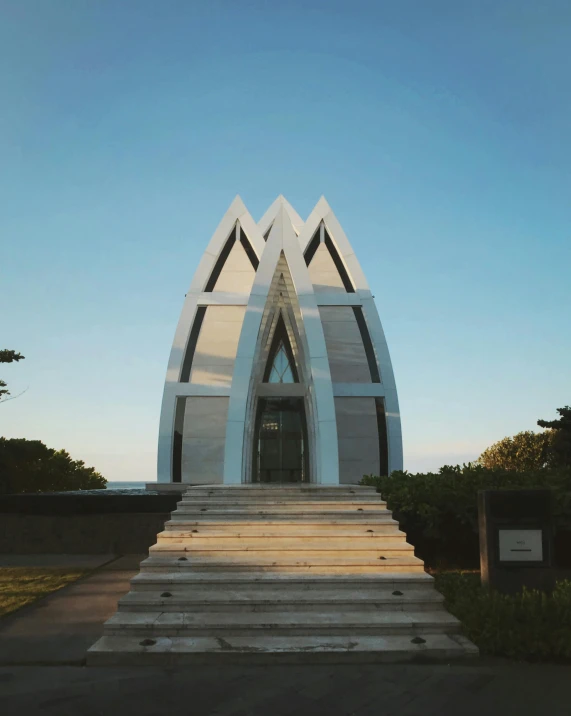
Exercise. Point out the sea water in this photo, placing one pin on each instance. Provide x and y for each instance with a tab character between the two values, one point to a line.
126	485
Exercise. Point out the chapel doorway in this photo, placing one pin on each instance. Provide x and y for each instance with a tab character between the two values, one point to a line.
280	441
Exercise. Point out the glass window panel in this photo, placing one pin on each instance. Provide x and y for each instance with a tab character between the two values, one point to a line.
287	376
281	360
281	370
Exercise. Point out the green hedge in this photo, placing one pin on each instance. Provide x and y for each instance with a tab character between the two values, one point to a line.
529	625
439	511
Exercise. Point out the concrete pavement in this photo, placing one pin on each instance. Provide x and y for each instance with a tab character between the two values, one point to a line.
493	688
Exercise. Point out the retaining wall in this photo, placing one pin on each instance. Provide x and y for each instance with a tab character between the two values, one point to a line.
88	523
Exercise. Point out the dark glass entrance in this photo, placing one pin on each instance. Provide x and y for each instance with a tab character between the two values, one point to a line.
280	441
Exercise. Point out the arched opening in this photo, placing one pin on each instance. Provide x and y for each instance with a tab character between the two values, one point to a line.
280	449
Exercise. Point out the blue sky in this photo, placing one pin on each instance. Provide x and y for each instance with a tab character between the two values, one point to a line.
438	132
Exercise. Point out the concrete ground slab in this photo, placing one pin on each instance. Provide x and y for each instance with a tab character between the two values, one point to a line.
491	687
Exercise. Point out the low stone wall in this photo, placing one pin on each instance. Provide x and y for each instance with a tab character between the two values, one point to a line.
83	523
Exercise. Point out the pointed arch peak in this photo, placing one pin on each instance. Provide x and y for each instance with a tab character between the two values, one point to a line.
265	222
237	206
282	229
322	206
284	218
222	243
318	214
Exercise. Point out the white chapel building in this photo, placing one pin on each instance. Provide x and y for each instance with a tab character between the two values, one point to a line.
279	370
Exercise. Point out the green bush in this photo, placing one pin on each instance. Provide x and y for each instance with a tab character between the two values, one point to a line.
525	451
439	511
530	625
31	466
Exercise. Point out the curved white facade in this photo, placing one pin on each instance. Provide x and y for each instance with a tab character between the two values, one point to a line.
279	369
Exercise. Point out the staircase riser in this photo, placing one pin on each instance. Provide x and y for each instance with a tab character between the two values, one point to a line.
280	522
230	529
194	542
311	587
296	517
194	579
254	657
228	593
328	505
269	630
278	555
278	607
286	508
290	569
326	501
339	493
290	592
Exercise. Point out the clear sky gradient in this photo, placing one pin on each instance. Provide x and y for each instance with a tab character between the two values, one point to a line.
439	132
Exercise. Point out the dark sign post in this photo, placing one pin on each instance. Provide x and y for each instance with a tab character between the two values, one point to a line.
516	539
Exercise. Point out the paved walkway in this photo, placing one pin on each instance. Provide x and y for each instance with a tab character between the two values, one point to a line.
37	642
61	627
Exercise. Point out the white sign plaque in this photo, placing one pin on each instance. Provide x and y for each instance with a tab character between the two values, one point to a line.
521	546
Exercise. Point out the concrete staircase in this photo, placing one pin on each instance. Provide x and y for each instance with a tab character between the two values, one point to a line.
291	573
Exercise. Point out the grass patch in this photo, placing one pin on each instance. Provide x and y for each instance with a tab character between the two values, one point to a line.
530	625
20	586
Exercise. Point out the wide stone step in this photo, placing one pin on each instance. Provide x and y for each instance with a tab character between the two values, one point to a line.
328	521
266	528
261	650
276	600
280	506
318	501
337	563
296	500
326	623
279	527
268	549
284	540
262	581
236	515
291	490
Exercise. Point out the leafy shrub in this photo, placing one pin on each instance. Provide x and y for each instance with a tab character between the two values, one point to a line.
525	451
31	466
530	625
439	511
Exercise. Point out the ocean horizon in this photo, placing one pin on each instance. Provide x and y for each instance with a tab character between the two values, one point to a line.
125	485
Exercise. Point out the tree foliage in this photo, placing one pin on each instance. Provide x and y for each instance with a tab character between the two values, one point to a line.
31	466
525	451
8	356
560	447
